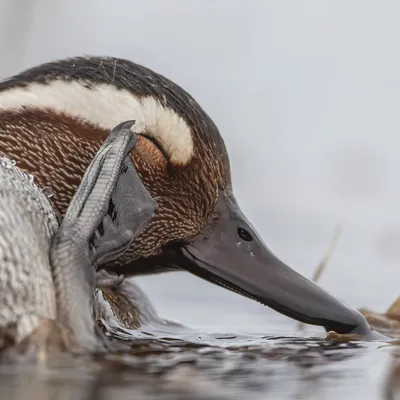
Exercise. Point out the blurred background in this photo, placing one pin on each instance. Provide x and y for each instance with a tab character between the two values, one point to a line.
307	97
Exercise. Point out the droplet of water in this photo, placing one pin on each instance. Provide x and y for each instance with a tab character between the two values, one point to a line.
6	163
48	192
13	163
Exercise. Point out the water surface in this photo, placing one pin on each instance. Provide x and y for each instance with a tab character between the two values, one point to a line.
171	361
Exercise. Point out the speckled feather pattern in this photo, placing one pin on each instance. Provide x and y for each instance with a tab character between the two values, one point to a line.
57	147
27	223
28	136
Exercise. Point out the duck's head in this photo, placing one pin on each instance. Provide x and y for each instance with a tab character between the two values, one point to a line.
182	161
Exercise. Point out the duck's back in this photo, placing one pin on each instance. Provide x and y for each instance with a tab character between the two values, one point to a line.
27	224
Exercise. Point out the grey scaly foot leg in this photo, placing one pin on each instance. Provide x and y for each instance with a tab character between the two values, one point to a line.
108	210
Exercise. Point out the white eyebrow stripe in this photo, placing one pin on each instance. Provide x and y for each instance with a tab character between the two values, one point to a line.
106	106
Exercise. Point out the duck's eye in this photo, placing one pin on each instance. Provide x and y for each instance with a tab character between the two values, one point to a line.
150	151
244	235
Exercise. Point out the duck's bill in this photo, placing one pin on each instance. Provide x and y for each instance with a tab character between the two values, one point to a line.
232	255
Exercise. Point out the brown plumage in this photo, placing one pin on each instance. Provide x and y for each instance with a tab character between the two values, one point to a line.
57	147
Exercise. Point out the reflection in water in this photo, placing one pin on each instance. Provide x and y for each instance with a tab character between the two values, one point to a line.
190	365
164	360
169	368
392	387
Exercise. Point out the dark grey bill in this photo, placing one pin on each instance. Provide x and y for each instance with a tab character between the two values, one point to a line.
231	254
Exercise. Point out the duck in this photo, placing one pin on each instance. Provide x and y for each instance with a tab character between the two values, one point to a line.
54	118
